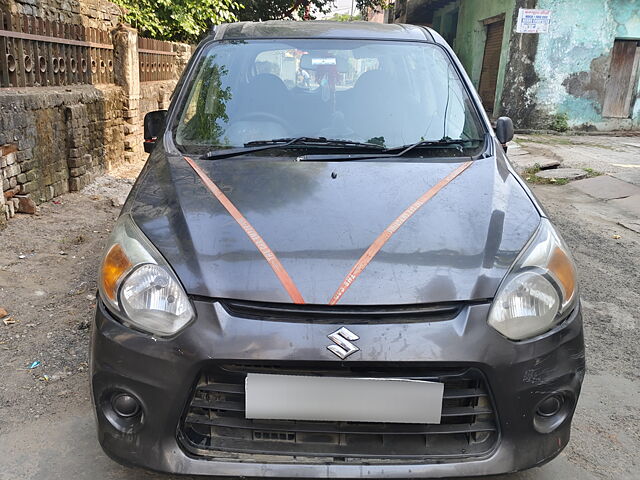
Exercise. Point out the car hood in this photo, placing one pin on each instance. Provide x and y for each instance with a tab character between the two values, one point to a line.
320	217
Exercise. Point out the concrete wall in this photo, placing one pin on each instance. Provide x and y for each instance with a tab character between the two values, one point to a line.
572	60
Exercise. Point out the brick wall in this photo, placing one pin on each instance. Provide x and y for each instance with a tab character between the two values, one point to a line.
100	14
56	139
53	141
155	96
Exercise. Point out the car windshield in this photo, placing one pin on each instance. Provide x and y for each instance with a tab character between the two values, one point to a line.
376	92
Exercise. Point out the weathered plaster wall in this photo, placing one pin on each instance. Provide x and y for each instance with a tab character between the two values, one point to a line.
572	60
471	36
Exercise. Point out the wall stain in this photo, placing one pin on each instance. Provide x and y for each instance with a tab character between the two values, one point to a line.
590	84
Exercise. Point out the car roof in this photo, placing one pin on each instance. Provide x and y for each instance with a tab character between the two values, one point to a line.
321	29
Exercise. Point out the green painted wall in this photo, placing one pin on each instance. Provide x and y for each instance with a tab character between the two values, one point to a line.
471	36
445	20
572	60
563	71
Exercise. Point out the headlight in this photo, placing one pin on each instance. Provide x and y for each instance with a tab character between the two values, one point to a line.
539	290
138	286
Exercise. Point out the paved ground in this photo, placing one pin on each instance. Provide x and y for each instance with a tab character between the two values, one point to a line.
616	156
47	281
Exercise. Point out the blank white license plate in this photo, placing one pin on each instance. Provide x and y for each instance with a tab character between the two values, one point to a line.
290	397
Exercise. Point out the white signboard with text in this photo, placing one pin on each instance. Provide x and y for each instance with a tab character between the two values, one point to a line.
533	21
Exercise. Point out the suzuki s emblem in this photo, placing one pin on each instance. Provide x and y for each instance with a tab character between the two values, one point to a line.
343	346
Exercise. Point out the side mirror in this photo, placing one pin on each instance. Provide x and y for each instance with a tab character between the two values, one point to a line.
504	130
153	128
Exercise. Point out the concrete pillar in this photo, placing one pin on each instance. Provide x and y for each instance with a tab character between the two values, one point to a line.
520	77
127	75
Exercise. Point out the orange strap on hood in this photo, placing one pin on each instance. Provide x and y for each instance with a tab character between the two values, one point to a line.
251	232
390	230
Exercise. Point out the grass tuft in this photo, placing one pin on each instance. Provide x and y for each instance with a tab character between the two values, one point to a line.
592	173
530	175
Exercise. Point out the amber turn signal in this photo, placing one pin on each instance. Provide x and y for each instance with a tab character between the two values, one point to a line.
114	266
562	267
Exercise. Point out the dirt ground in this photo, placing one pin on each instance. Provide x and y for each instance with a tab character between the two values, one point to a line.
48	265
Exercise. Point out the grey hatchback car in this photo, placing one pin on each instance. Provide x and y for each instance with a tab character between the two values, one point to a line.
328	268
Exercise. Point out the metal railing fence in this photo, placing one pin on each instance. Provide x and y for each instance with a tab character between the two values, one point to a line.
38	52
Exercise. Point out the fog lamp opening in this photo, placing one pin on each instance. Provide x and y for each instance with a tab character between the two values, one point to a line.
552	411
124	405
123	410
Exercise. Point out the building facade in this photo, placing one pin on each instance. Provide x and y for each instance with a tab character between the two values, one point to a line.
582	72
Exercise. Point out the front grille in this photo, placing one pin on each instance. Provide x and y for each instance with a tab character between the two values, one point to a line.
214	423
344	314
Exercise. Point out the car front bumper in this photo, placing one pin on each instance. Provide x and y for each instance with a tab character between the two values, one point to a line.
161	373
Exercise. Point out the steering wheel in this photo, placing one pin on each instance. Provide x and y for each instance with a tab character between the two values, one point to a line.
270	117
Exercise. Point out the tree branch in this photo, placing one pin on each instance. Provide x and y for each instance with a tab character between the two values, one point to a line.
296	5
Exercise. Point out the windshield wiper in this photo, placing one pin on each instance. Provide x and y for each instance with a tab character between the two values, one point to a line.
402	150
260	145
318	141
443	142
